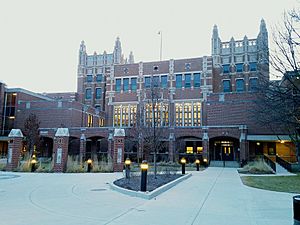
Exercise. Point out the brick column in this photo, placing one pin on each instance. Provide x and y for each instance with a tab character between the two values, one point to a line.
110	149
60	149
14	149
82	148
205	145
118	158
244	144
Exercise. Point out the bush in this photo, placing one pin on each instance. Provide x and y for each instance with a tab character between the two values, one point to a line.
2	166
45	167
74	165
257	167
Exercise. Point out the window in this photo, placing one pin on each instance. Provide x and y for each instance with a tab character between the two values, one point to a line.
89	78
99	78
101	122
253	84
179	81
126	84
226	68
118	85
98	93
187	80
161	113
240	85
188	114
90	120
147	82
197	80
199	149
189	150
156	81
164	81
253	66
88	93
239	67
133	84
125	116
226	86
98	108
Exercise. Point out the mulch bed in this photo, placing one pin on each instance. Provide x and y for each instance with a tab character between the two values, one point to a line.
134	183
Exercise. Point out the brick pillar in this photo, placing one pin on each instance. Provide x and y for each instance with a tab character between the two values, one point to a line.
14	149
205	145
171	147
244	144
118	158
110	149
82	148
60	149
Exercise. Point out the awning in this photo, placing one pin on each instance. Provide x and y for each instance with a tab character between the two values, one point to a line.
268	138
4	138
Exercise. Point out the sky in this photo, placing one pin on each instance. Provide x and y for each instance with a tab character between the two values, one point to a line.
40	39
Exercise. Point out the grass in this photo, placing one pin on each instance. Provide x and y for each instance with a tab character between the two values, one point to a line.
275	183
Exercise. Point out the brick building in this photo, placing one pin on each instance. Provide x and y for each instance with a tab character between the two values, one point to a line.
199	107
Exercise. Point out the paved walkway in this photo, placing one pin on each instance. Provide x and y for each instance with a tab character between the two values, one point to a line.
215	196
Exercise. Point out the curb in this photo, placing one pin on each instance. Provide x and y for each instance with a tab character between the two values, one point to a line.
149	195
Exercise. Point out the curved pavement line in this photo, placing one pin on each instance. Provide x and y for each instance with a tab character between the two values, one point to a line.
50	211
206	197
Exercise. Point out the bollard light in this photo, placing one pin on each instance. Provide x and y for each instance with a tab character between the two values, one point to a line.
197	164
89	162
144	169
33	163
183	162
127	168
205	162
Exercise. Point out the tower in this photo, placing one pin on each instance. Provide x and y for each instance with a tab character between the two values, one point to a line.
131	58
262	43
117	51
216	45
81	70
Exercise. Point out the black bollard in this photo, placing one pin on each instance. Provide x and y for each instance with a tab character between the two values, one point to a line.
183	162
197	164
89	168
144	169
127	168
296	207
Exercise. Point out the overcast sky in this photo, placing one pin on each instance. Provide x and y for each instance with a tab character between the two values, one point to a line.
40	39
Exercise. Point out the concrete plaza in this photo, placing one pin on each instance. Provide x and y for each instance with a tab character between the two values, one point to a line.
215	196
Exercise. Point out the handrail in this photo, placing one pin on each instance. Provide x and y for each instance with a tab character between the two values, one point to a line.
283	163
270	162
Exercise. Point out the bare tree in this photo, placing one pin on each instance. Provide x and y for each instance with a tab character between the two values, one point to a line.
31	131
279	106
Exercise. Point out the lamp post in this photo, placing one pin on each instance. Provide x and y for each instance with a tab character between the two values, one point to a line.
127	168
144	169
33	163
89	162
205	161
197	164
183	162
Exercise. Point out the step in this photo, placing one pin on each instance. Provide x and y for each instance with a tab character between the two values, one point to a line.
230	164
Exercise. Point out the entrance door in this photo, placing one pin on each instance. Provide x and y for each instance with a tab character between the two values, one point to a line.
227	153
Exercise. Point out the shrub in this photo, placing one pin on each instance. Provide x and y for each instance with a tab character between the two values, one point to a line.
257	167
74	165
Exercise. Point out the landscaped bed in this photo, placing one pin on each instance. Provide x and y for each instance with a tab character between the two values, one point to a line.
134	183
274	183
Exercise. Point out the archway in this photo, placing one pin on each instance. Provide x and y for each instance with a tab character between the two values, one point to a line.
224	148
189	147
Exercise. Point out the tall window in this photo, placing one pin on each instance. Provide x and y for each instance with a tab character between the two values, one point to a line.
118	85
179	81
125	84
226	68
253	84
89	78
240	86
88	93
98	93
125	115
164	81
133	84
187	80
156	81
147	82
197	80
132	116
188	114
161	113
117	116
90	120
253	66
99	78
226	86
239	67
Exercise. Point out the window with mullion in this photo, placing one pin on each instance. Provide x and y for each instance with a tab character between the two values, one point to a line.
187	80
98	93
126	84
179	81
118	85
164	81
197	80
133	84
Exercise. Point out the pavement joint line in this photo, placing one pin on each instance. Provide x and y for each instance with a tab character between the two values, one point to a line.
206	197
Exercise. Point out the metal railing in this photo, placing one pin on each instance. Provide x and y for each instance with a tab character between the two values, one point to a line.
283	163
271	163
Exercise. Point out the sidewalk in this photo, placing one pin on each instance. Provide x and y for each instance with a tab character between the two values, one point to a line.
215	196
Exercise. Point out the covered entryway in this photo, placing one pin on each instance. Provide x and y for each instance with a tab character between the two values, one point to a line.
224	149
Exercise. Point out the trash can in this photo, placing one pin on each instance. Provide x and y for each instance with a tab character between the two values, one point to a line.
296	206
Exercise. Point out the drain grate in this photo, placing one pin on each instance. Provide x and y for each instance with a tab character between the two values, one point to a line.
99	189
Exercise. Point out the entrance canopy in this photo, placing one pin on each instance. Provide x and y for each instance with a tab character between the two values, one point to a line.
268	138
